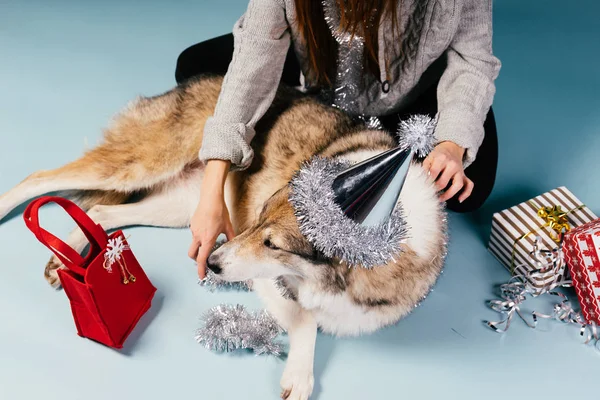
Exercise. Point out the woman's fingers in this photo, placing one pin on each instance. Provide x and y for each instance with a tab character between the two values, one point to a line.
427	163
436	167
458	182
469	185
204	239
445	167
203	254
450	172
193	250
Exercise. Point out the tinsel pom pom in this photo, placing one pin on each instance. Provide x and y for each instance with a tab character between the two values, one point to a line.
227	328
324	224
417	133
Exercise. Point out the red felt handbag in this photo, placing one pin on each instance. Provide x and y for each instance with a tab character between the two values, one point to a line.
108	289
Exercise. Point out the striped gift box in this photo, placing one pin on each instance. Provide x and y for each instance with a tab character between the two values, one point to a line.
510	225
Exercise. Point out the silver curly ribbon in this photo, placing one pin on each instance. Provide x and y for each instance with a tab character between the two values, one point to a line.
514	293
565	313
349	75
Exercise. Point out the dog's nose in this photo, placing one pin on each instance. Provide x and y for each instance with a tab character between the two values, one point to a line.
213	265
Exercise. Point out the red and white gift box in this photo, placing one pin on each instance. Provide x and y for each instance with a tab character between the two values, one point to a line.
581	247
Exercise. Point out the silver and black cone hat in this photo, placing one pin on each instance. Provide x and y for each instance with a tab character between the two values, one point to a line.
351	212
368	192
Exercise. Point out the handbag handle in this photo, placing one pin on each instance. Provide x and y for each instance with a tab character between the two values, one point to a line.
70	258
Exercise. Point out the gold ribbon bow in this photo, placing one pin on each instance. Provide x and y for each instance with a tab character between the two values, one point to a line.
555	218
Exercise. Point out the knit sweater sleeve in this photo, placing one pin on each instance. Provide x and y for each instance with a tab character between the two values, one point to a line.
261	42
467	88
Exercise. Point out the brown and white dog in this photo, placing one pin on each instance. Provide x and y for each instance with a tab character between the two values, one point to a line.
151	149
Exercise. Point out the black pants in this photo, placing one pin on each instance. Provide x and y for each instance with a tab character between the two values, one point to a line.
214	55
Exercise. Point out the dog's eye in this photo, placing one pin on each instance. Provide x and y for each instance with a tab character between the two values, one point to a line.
270	245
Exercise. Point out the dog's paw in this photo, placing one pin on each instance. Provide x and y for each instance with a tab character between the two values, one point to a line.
297	383
50	273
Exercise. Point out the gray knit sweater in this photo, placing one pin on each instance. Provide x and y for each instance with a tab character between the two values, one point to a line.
457	31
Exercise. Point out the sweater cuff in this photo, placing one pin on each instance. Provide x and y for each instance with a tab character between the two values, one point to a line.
229	142
462	128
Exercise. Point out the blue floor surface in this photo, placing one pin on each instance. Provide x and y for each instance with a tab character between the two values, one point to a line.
67	66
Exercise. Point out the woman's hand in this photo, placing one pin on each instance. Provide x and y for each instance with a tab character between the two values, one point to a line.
445	165
211	217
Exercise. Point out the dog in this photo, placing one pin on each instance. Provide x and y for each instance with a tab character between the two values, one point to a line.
146	172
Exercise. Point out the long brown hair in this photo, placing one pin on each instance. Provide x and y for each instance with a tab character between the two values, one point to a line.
356	17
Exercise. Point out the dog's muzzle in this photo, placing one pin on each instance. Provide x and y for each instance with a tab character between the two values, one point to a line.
213	264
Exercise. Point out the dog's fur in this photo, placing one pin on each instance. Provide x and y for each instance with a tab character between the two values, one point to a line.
151	151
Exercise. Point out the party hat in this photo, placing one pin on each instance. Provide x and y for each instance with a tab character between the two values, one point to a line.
351	212
368	191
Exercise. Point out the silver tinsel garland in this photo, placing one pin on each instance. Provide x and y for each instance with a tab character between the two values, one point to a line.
350	55
214	283
227	328
325	225
349	75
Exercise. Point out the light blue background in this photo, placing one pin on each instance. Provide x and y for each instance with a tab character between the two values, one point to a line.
67	66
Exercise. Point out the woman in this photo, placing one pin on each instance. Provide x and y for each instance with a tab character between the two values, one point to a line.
385	58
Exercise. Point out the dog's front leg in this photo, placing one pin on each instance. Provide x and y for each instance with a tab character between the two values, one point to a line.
297	380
